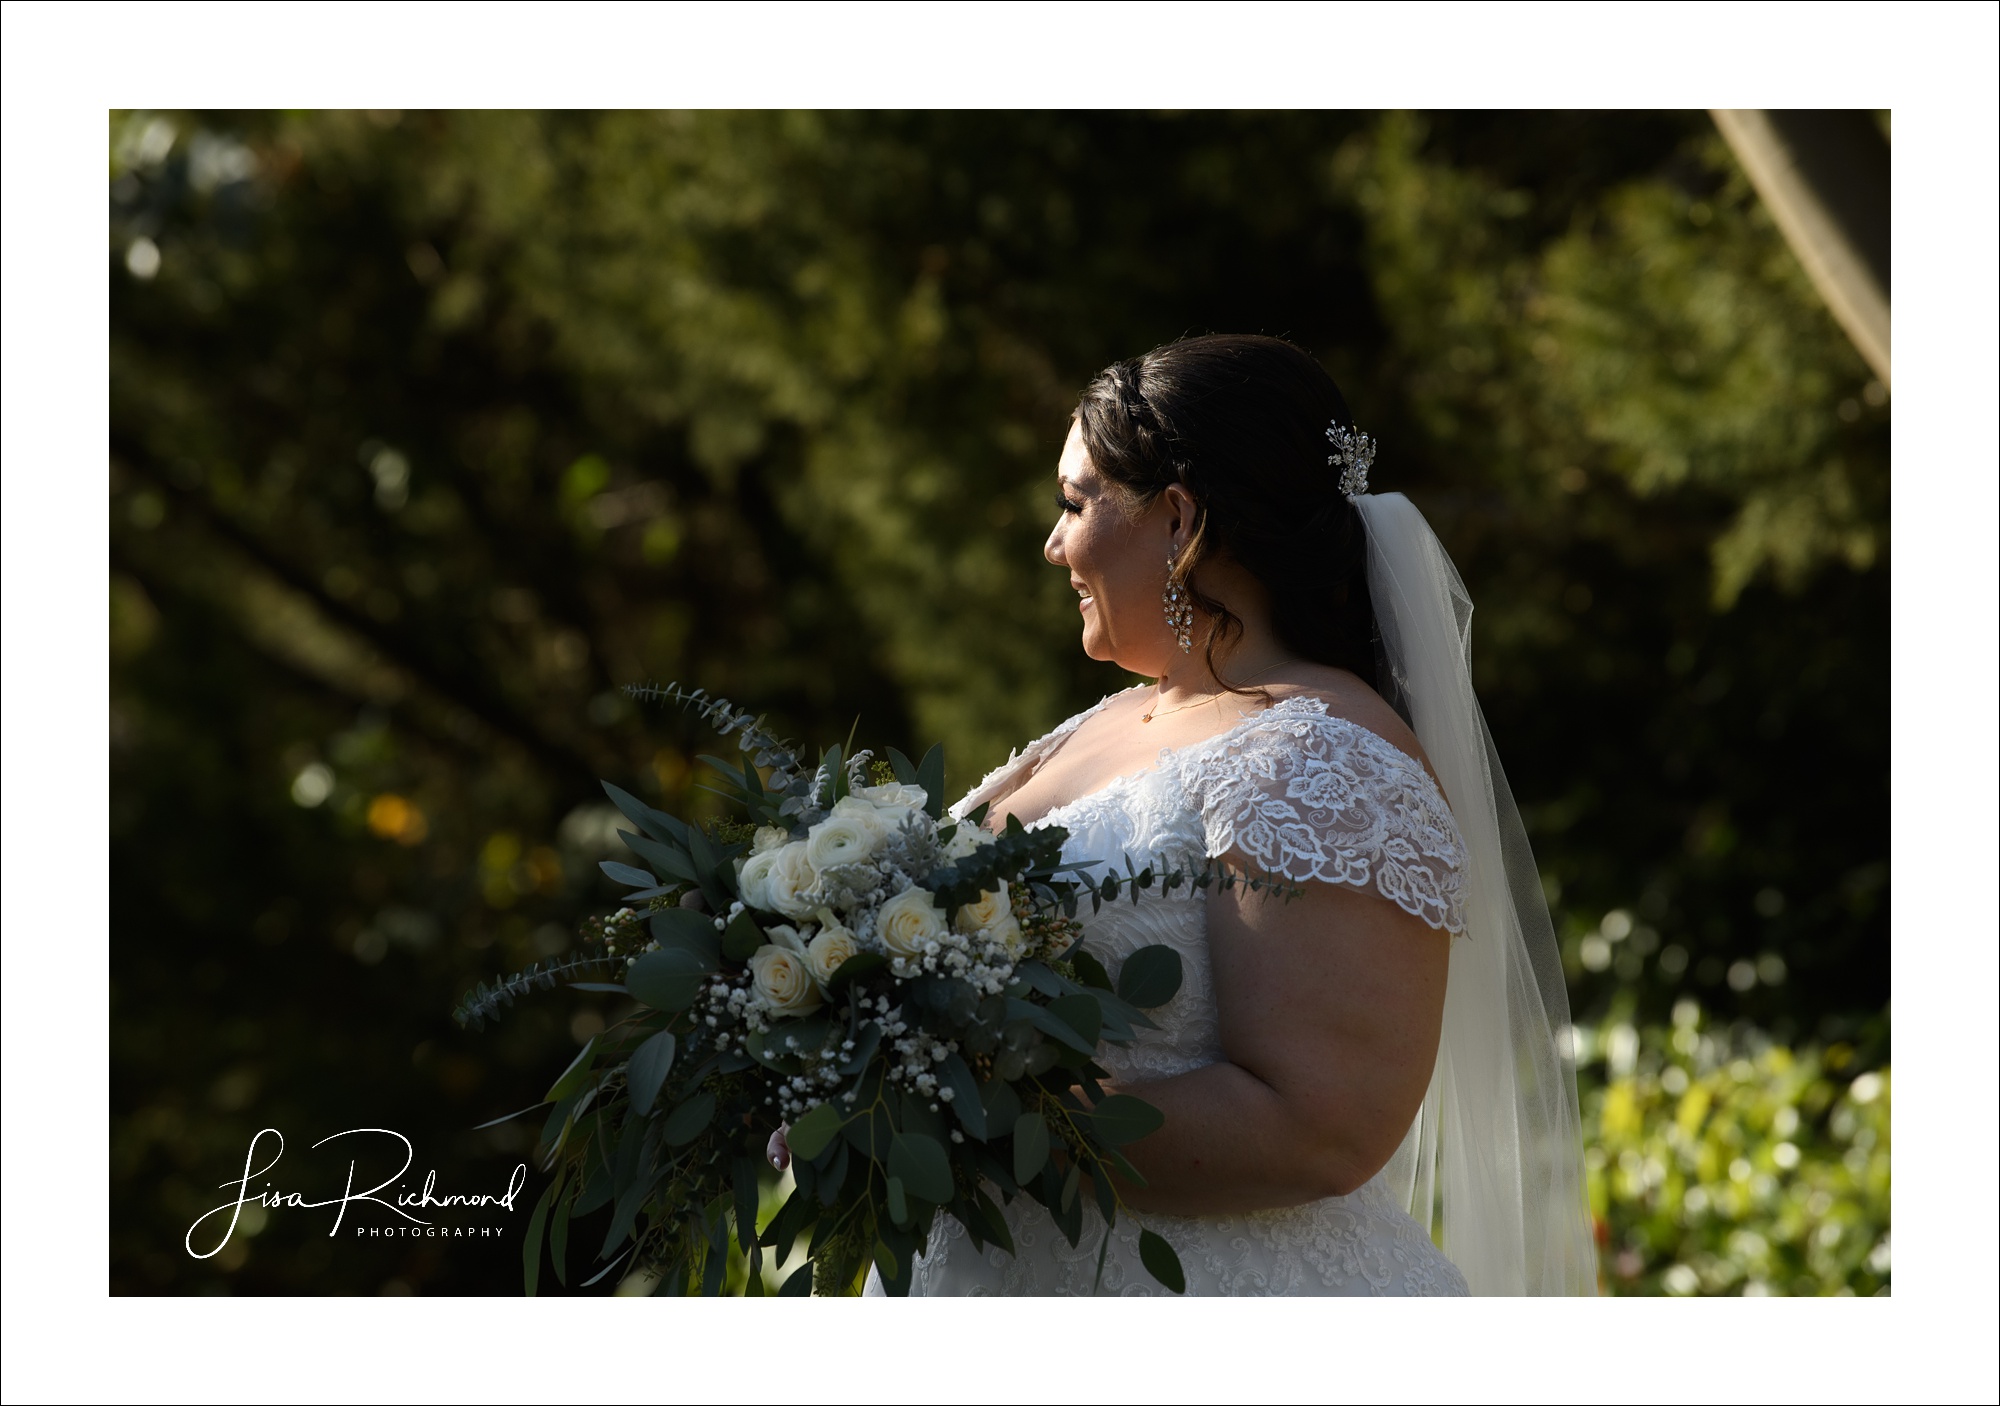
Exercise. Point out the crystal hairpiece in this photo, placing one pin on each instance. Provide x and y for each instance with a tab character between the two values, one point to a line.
1354	454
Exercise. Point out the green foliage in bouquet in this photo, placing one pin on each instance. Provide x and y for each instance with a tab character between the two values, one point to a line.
898	1007
1725	1163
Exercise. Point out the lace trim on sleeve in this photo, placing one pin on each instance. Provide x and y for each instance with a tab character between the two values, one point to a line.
1303	795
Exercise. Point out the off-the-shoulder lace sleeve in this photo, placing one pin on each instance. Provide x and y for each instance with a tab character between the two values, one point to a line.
1303	795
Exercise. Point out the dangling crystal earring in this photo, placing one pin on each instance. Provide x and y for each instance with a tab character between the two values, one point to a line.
1180	615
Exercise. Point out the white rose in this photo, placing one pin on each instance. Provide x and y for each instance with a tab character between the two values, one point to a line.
791	875
785	936
867	814
990	909
909	920
825	953
842	839
965	840
767	838
1007	932
894	797
753	879
783	980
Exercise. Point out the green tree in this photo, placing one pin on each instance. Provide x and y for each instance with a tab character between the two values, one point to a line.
431	430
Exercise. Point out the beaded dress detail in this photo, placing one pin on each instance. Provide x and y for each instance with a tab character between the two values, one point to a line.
1302	795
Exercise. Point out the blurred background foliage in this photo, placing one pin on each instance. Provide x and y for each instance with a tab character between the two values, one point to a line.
431	430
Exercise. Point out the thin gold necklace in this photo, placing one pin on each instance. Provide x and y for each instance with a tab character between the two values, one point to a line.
1158	712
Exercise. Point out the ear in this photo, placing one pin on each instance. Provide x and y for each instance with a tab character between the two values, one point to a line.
1181	512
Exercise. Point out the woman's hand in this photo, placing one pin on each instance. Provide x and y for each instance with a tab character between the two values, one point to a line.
1330	1007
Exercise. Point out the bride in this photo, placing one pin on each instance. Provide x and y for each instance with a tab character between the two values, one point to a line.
1369	1069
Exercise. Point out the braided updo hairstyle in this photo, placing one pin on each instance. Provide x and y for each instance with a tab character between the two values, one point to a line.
1240	422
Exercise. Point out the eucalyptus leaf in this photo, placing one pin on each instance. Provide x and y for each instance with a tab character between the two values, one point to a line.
625	874
1121	1119
799	1283
668	861
572	1078
690	930
1089	970
596	1192
930	776
836	1173
899	1204
965	1104
742	938
559	1238
798	1212
1031	1146
506	1118
1041	978
648	1071
1107	1197
625	1213
865	1045
656	823
885	1265
531	1251
666	980
1151	976
1081	1014
1161	1262
689	1121
1051	1025
717	888
744	1180
1003	1105
810	1135
996	1221
921	1163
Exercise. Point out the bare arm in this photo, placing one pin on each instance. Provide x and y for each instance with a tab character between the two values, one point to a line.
1330	1007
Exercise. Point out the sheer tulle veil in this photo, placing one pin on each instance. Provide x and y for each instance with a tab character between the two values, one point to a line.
1497	1149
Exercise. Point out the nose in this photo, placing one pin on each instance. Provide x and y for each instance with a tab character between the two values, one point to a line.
1052	550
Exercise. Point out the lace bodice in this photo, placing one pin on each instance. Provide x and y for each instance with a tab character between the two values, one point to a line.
1296	791
1292	792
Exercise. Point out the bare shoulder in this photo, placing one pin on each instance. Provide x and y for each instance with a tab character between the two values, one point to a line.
1347	696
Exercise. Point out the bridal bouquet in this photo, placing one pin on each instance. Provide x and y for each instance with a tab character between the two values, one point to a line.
900	1010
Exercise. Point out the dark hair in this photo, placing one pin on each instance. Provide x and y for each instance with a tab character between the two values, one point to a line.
1241	422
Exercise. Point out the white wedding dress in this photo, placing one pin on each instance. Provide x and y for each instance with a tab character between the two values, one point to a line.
1300	794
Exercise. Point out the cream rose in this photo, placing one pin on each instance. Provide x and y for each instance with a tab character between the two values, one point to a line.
842	839
753	879
1007	932
894	797
965	840
767	838
791	874
783	979
990	909
833	945
909	920
878	822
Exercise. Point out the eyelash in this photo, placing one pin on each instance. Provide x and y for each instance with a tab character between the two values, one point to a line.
1067	504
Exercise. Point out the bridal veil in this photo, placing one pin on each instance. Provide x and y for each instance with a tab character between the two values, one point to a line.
1496	1151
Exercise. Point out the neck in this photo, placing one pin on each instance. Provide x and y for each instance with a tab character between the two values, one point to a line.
1188	676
